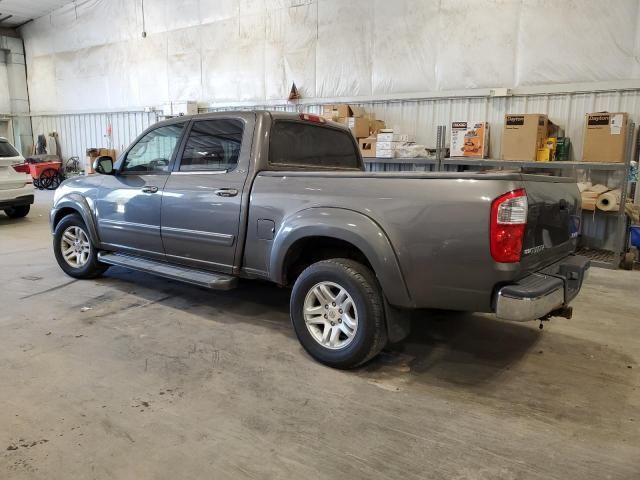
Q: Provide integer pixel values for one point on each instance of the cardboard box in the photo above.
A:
(390, 136)
(376, 125)
(605, 136)
(385, 153)
(359, 126)
(588, 203)
(469, 139)
(368, 147)
(336, 111)
(523, 135)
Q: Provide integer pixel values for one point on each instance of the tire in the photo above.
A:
(84, 254)
(628, 260)
(364, 303)
(17, 212)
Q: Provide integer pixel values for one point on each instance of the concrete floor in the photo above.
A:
(131, 376)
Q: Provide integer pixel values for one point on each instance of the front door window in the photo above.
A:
(153, 152)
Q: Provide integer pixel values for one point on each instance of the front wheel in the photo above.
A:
(337, 313)
(17, 212)
(73, 249)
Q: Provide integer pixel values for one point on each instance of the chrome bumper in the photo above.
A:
(539, 294)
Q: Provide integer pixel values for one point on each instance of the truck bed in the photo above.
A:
(437, 223)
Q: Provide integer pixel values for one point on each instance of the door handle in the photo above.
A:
(149, 189)
(227, 192)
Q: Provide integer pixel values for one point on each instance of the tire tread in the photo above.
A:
(367, 281)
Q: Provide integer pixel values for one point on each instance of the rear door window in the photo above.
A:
(213, 145)
(307, 145)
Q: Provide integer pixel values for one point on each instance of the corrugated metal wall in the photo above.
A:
(421, 117)
(77, 132)
(418, 117)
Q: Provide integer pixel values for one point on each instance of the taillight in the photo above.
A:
(312, 118)
(21, 168)
(508, 222)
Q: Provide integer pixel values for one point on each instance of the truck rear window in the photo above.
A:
(308, 145)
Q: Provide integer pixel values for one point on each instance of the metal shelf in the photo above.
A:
(417, 160)
(600, 258)
(492, 162)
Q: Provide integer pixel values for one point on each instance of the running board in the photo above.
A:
(214, 281)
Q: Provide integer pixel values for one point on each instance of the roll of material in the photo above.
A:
(609, 201)
(599, 188)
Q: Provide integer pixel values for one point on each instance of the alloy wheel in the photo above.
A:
(330, 315)
(75, 246)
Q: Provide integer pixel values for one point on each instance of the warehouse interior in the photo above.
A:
(483, 244)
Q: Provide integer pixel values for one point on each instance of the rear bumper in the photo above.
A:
(16, 197)
(540, 293)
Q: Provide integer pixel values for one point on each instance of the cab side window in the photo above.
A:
(213, 145)
(153, 152)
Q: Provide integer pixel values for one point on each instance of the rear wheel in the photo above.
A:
(337, 313)
(17, 212)
(73, 249)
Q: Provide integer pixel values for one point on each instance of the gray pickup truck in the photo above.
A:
(284, 197)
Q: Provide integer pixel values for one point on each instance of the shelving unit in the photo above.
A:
(495, 163)
(604, 234)
(401, 164)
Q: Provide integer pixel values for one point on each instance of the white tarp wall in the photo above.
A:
(91, 56)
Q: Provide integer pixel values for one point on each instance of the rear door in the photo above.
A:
(553, 220)
(202, 201)
(129, 203)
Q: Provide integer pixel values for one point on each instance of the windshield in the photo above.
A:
(7, 150)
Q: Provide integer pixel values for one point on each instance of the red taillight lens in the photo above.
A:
(21, 168)
(312, 118)
(508, 222)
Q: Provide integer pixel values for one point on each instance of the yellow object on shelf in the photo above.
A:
(548, 151)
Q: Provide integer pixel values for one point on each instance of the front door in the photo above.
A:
(202, 197)
(129, 202)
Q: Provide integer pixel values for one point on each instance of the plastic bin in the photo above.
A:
(634, 235)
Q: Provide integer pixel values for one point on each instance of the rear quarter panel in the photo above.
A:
(438, 226)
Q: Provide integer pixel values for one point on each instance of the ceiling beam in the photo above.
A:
(5, 18)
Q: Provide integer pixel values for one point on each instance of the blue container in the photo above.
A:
(635, 236)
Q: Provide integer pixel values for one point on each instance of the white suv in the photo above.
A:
(16, 188)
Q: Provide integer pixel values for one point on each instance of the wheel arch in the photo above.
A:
(71, 204)
(346, 233)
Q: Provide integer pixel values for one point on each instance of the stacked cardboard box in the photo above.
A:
(388, 141)
(363, 125)
(368, 147)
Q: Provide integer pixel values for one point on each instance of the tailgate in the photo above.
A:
(553, 220)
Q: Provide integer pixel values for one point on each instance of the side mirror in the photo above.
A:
(104, 165)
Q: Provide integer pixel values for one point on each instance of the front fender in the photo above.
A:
(349, 226)
(79, 203)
